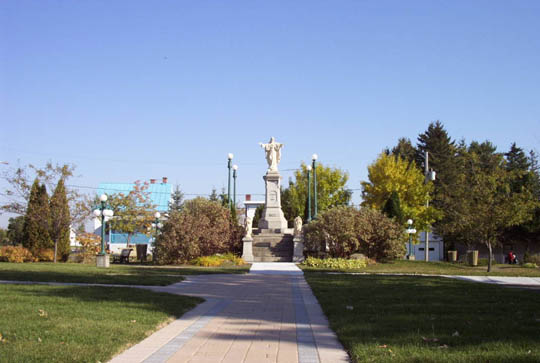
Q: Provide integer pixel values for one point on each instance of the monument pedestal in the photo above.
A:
(102, 261)
(272, 216)
(247, 250)
(298, 249)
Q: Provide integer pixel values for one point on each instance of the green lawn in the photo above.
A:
(429, 319)
(116, 274)
(80, 324)
(442, 268)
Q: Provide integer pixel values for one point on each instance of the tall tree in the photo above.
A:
(133, 212)
(177, 201)
(37, 219)
(392, 208)
(331, 191)
(403, 149)
(214, 196)
(60, 221)
(389, 175)
(482, 204)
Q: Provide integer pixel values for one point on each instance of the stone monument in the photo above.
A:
(272, 216)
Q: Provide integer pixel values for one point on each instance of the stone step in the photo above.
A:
(273, 244)
(272, 259)
(271, 253)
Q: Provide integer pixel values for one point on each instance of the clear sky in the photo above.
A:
(132, 90)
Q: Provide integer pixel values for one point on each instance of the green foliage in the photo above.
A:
(343, 231)
(60, 222)
(392, 208)
(37, 219)
(177, 200)
(389, 175)
(335, 263)
(331, 191)
(216, 260)
(530, 265)
(133, 212)
(15, 230)
(3, 237)
(202, 228)
(404, 150)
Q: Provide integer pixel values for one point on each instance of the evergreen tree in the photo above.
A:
(404, 149)
(60, 221)
(15, 230)
(392, 208)
(214, 196)
(36, 220)
(177, 200)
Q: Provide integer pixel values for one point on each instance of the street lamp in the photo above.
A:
(308, 193)
(103, 211)
(229, 158)
(314, 158)
(235, 168)
(410, 231)
(157, 225)
(429, 176)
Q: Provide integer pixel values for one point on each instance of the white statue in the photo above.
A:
(297, 226)
(273, 153)
(249, 227)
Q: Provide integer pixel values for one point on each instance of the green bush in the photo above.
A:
(201, 228)
(529, 265)
(335, 263)
(343, 231)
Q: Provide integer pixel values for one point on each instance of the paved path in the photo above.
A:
(269, 315)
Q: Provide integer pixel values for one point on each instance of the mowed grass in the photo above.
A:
(80, 324)
(429, 319)
(116, 274)
(441, 268)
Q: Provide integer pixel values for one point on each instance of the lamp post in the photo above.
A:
(229, 158)
(429, 176)
(410, 231)
(235, 168)
(157, 225)
(308, 193)
(103, 211)
(314, 159)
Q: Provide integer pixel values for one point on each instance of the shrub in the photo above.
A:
(17, 254)
(335, 263)
(529, 265)
(218, 260)
(90, 246)
(532, 258)
(202, 228)
(44, 255)
(343, 231)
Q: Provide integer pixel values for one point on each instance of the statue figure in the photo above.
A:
(273, 153)
(249, 227)
(297, 226)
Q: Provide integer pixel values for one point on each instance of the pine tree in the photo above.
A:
(177, 200)
(404, 149)
(392, 208)
(60, 221)
(36, 220)
(214, 196)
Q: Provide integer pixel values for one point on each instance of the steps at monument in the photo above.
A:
(272, 247)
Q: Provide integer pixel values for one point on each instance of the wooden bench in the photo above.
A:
(123, 256)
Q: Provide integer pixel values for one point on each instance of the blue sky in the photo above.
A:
(132, 90)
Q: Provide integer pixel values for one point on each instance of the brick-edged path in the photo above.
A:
(269, 315)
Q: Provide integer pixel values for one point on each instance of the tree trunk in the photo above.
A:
(55, 249)
(490, 256)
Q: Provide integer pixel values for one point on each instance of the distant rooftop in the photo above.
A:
(160, 193)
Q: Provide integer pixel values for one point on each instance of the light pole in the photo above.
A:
(308, 193)
(157, 225)
(314, 159)
(103, 211)
(410, 231)
(429, 176)
(235, 168)
(229, 158)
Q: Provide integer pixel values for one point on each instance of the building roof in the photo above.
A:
(160, 193)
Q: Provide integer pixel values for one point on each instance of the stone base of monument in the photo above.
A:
(102, 261)
(269, 246)
(247, 251)
(298, 249)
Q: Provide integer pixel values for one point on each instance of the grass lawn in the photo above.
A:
(429, 319)
(442, 268)
(80, 324)
(116, 274)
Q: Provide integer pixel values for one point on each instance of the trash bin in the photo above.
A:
(141, 252)
(452, 256)
(472, 257)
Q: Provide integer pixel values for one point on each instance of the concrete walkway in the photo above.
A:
(269, 315)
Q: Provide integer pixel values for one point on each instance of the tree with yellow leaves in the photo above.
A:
(392, 174)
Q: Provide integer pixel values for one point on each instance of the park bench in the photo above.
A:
(123, 256)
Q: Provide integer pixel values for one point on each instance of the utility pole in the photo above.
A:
(426, 233)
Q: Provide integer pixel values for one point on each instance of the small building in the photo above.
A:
(436, 248)
(160, 196)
